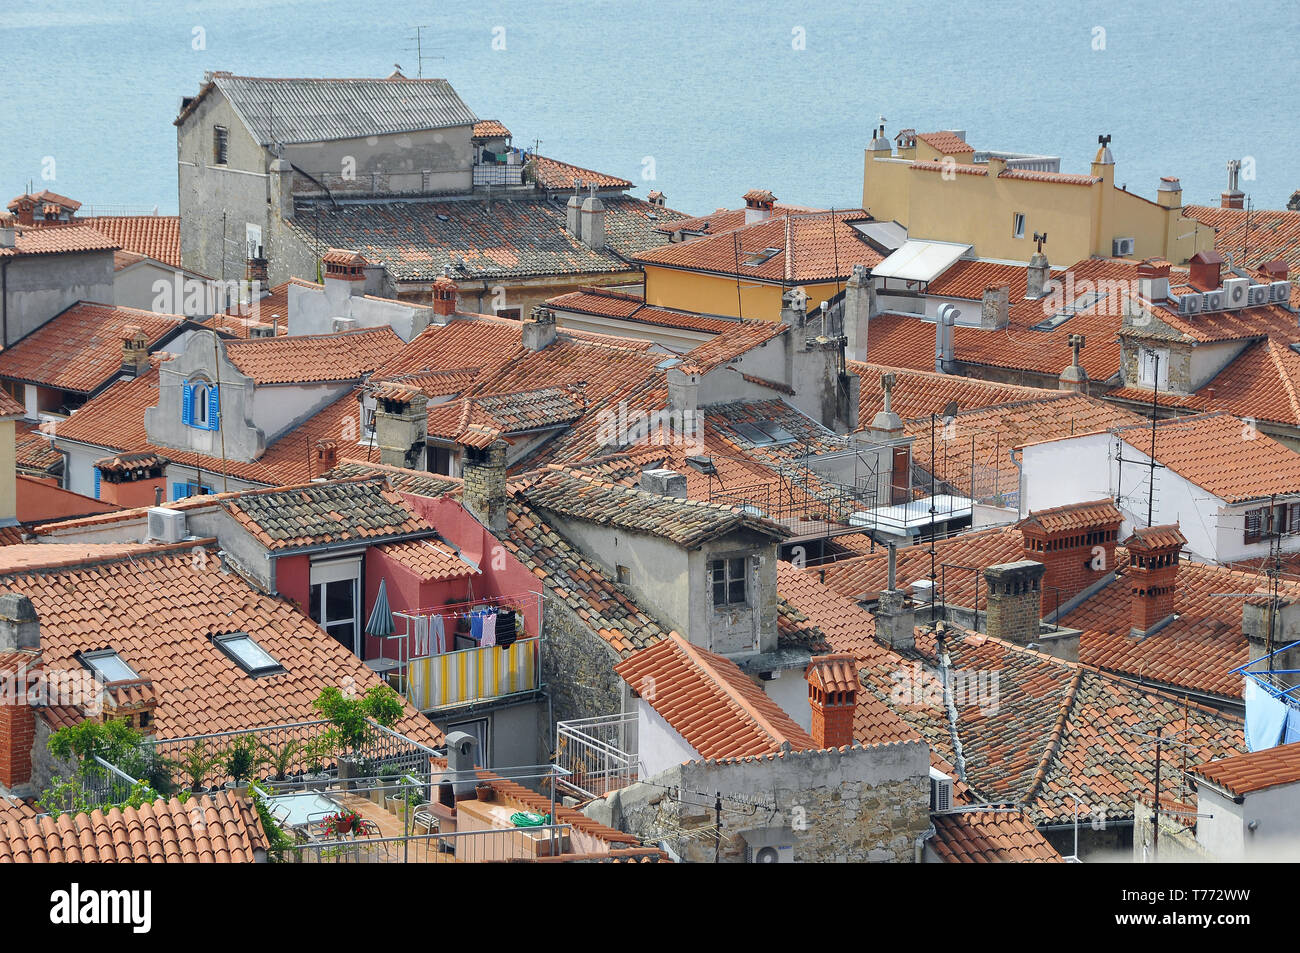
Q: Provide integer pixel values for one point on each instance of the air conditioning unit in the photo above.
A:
(1236, 292)
(1122, 247)
(166, 525)
(1189, 304)
(1279, 292)
(1258, 295)
(940, 790)
(1213, 301)
(768, 845)
(344, 324)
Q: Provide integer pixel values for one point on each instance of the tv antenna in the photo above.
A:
(420, 55)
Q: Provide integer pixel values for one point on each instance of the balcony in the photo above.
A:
(468, 676)
(497, 174)
(596, 755)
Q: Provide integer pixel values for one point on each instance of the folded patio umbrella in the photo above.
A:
(381, 616)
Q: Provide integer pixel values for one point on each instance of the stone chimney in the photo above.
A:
(8, 230)
(1205, 270)
(794, 307)
(1169, 194)
(896, 620)
(593, 221)
(1037, 276)
(401, 426)
(1233, 197)
(135, 351)
(995, 308)
(282, 188)
(444, 299)
(325, 456)
(859, 305)
(664, 482)
(573, 211)
(684, 389)
(1076, 545)
(1153, 280)
(484, 475)
(1074, 378)
(1014, 600)
(833, 698)
(758, 205)
(539, 329)
(1152, 576)
(20, 630)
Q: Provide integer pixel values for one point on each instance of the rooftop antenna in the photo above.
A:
(420, 55)
(1040, 239)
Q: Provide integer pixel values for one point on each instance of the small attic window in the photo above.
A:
(754, 259)
(247, 654)
(764, 433)
(108, 665)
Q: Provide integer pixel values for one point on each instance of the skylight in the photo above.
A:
(764, 433)
(250, 656)
(1085, 301)
(754, 259)
(108, 665)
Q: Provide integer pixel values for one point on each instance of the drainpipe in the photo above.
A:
(920, 842)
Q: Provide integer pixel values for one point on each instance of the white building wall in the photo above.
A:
(660, 746)
(790, 691)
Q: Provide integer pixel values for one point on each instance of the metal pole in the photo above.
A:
(1155, 837)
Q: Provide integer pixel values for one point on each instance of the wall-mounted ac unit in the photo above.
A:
(940, 791)
(344, 324)
(1236, 292)
(1279, 292)
(1122, 247)
(1189, 304)
(1257, 296)
(1213, 301)
(768, 845)
(166, 525)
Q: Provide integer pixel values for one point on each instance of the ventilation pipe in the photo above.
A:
(943, 325)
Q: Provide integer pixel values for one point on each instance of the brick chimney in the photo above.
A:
(758, 205)
(1075, 544)
(131, 479)
(833, 698)
(484, 475)
(1276, 270)
(17, 721)
(255, 269)
(1014, 600)
(444, 298)
(995, 311)
(1205, 270)
(401, 426)
(345, 274)
(1233, 197)
(539, 329)
(325, 457)
(135, 351)
(1152, 576)
(25, 208)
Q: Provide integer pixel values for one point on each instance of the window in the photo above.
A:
(1153, 368)
(1271, 522)
(1085, 301)
(1018, 225)
(764, 433)
(439, 459)
(188, 488)
(515, 314)
(220, 144)
(728, 577)
(334, 600)
(250, 656)
(108, 665)
(200, 405)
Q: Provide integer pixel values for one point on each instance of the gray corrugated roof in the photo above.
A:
(317, 110)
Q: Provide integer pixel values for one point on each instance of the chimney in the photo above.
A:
(995, 311)
(1153, 280)
(664, 482)
(794, 307)
(484, 475)
(401, 426)
(17, 719)
(895, 619)
(1170, 192)
(880, 142)
(943, 351)
(684, 389)
(833, 698)
(1275, 270)
(1205, 270)
(886, 424)
(758, 205)
(20, 630)
(1075, 544)
(1152, 576)
(1037, 276)
(655, 197)
(444, 299)
(1074, 378)
(1014, 601)
(997, 165)
(326, 456)
(573, 211)
(345, 274)
(859, 304)
(8, 230)
(255, 269)
(593, 221)
(461, 754)
(132, 479)
(539, 329)
(26, 207)
(1233, 197)
(135, 351)
(282, 188)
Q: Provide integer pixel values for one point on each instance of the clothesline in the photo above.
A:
(455, 608)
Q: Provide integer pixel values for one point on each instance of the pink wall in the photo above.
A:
(406, 590)
(293, 580)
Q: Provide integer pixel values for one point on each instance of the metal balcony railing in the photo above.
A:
(596, 755)
(473, 675)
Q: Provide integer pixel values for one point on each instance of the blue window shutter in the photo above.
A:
(187, 403)
(214, 408)
(96, 469)
(178, 491)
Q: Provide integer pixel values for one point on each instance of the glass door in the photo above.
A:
(335, 600)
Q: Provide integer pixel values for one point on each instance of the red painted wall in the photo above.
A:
(293, 580)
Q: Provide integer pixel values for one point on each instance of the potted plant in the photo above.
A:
(343, 824)
(314, 753)
(244, 757)
(351, 719)
(484, 791)
(280, 760)
(197, 763)
(388, 775)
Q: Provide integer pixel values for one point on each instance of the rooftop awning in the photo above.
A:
(920, 260)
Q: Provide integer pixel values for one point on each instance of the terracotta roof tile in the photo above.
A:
(990, 836)
(1247, 773)
(947, 143)
(154, 236)
(1253, 237)
(430, 559)
(552, 174)
(318, 357)
(490, 128)
(625, 307)
(56, 241)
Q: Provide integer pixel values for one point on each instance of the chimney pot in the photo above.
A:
(664, 482)
(539, 329)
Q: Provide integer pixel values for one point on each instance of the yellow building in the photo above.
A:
(10, 412)
(743, 271)
(934, 186)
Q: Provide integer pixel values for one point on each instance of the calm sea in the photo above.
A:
(702, 100)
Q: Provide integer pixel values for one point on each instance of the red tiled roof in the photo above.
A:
(10, 407)
(1074, 516)
(710, 702)
(1033, 175)
(1247, 773)
(946, 143)
(728, 346)
(45, 196)
(1253, 237)
(57, 241)
(429, 559)
(625, 307)
(490, 128)
(217, 828)
(316, 357)
(32, 449)
(726, 220)
(159, 609)
(80, 349)
(921, 393)
(968, 279)
(990, 836)
(154, 236)
(556, 175)
(318, 513)
(816, 246)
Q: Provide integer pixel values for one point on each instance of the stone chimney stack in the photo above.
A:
(539, 329)
(794, 307)
(462, 753)
(995, 308)
(401, 426)
(484, 475)
(1038, 275)
(135, 351)
(8, 230)
(859, 305)
(1152, 576)
(896, 620)
(684, 389)
(573, 211)
(758, 205)
(1014, 600)
(20, 630)
(833, 698)
(282, 188)
(1233, 197)
(593, 221)
(664, 482)
(445, 292)
(1169, 194)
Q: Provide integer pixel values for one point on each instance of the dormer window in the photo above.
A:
(729, 581)
(200, 405)
(247, 654)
